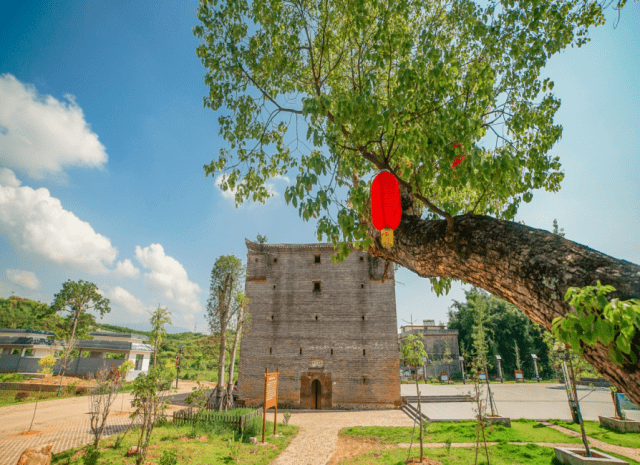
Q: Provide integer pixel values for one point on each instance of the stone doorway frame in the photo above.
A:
(307, 401)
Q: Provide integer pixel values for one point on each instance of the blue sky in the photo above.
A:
(103, 137)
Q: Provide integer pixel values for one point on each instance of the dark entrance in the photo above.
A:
(316, 394)
(315, 390)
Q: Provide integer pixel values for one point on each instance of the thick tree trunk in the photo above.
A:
(528, 267)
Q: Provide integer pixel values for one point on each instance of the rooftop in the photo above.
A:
(257, 247)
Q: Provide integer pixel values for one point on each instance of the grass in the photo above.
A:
(501, 454)
(13, 378)
(8, 397)
(595, 431)
(221, 446)
(464, 431)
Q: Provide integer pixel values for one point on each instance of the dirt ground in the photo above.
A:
(349, 447)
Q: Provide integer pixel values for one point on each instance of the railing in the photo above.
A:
(188, 416)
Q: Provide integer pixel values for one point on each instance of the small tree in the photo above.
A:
(101, 398)
(76, 298)
(414, 355)
(159, 318)
(149, 400)
(125, 368)
(241, 324)
(225, 299)
(46, 363)
(518, 361)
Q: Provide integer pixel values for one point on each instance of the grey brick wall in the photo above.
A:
(291, 324)
(79, 366)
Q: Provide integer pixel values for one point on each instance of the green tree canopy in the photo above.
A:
(406, 86)
(503, 323)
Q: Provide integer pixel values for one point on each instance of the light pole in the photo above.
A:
(461, 358)
(535, 365)
(499, 358)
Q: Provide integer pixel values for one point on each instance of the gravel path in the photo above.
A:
(318, 434)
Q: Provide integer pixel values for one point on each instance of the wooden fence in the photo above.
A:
(190, 415)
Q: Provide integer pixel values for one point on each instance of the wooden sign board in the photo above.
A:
(444, 378)
(519, 375)
(270, 399)
(482, 376)
(316, 363)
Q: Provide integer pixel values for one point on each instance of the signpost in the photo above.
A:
(461, 358)
(519, 376)
(444, 377)
(270, 399)
(482, 376)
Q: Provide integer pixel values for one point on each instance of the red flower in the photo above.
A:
(457, 161)
(456, 145)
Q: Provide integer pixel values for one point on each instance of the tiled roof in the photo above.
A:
(30, 331)
(115, 334)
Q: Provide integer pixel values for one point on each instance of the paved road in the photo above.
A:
(64, 423)
(536, 401)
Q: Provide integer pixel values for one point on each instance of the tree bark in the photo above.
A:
(233, 356)
(528, 267)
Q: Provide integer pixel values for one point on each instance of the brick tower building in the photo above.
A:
(330, 329)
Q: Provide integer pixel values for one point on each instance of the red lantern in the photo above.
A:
(385, 206)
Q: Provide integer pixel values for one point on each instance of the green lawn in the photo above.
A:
(595, 431)
(8, 397)
(501, 454)
(464, 431)
(221, 446)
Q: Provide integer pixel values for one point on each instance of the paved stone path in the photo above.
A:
(631, 452)
(64, 423)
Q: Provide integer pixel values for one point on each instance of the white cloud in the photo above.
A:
(126, 300)
(126, 269)
(37, 224)
(41, 135)
(168, 276)
(8, 178)
(24, 279)
(231, 194)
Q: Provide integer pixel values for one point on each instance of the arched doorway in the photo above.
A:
(316, 394)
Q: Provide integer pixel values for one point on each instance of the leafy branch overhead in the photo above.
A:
(407, 86)
(612, 323)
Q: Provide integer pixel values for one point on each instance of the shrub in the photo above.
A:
(81, 391)
(22, 395)
(169, 457)
(12, 377)
(91, 456)
(287, 417)
(70, 389)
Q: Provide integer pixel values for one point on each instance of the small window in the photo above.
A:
(317, 258)
(316, 287)
(362, 317)
(275, 260)
(361, 259)
(316, 317)
(28, 352)
(274, 286)
(300, 350)
(361, 286)
(139, 359)
(363, 352)
(331, 351)
(271, 317)
(16, 352)
(256, 260)
(270, 350)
